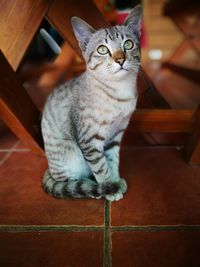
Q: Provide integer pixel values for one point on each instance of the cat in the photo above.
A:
(84, 119)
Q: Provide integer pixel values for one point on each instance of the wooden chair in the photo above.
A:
(16, 108)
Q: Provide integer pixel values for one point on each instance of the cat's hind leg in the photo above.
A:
(68, 174)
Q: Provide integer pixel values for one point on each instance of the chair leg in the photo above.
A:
(17, 110)
(192, 149)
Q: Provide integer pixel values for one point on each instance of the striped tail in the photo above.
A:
(83, 188)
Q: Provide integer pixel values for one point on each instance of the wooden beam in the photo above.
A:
(61, 11)
(16, 108)
(162, 120)
(19, 21)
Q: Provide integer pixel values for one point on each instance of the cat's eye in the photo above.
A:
(103, 50)
(128, 45)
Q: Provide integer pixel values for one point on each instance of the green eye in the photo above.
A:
(128, 45)
(102, 49)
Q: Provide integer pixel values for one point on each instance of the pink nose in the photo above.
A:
(120, 61)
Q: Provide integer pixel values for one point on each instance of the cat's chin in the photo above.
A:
(120, 73)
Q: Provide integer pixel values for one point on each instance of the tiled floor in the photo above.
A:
(156, 224)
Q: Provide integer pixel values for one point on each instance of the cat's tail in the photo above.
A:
(84, 188)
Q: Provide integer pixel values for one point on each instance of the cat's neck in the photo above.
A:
(126, 87)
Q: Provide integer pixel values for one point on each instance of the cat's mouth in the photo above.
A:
(121, 69)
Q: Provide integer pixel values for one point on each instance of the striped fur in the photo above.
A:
(84, 120)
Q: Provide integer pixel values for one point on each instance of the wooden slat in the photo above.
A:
(162, 121)
(17, 109)
(60, 14)
(19, 20)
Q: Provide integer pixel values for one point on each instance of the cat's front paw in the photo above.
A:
(123, 185)
(114, 197)
(114, 190)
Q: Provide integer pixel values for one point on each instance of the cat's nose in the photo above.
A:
(120, 61)
(119, 57)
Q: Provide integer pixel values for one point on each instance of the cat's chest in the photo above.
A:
(118, 123)
(120, 120)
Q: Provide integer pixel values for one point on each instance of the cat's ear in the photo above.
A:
(134, 20)
(82, 30)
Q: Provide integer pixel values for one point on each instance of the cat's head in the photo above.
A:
(113, 52)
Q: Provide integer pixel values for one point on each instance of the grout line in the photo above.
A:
(48, 228)
(14, 150)
(107, 228)
(156, 228)
(107, 260)
(9, 153)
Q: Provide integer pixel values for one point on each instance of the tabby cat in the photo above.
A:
(84, 120)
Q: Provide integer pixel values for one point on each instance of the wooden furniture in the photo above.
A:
(16, 108)
(185, 14)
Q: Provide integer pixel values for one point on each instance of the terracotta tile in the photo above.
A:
(156, 249)
(162, 189)
(7, 139)
(24, 202)
(3, 156)
(21, 145)
(51, 249)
